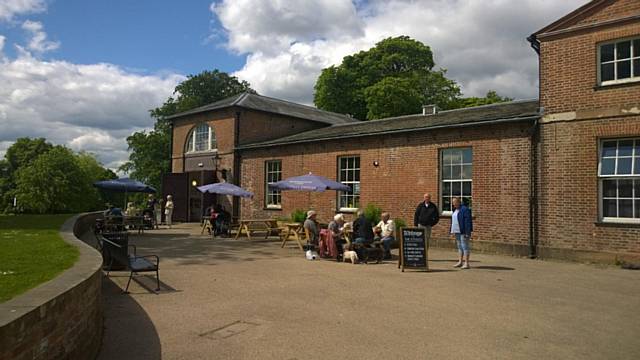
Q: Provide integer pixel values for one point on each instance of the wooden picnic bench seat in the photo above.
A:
(117, 251)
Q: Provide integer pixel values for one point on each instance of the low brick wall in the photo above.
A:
(62, 318)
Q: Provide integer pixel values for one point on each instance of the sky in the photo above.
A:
(84, 73)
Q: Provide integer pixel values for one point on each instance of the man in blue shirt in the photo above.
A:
(461, 227)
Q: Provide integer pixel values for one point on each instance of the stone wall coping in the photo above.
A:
(88, 263)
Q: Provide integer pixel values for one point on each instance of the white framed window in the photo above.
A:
(456, 168)
(201, 138)
(272, 174)
(349, 174)
(619, 61)
(619, 180)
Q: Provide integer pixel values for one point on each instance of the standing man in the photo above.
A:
(461, 227)
(426, 216)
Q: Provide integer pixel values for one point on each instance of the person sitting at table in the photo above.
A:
(113, 211)
(131, 209)
(220, 219)
(312, 227)
(387, 229)
(336, 227)
(362, 229)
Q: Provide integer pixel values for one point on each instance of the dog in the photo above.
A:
(350, 254)
(373, 253)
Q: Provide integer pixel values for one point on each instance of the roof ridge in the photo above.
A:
(400, 117)
(306, 106)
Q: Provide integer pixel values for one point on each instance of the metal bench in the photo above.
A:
(119, 252)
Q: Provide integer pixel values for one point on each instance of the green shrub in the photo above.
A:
(298, 215)
(372, 212)
(400, 223)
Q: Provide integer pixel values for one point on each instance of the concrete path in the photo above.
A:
(228, 299)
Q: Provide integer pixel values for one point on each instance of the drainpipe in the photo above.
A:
(236, 162)
(533, 196)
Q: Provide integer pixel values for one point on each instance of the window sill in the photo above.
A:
(200, 153)
(616, 85)
(346, 211)
(621, 224)
(447, 215)
(274, 208)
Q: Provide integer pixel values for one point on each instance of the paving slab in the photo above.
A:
(251, 299)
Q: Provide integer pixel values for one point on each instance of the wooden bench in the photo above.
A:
(117, 250)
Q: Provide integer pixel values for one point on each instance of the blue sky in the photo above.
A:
(141, 35)
(85, 73)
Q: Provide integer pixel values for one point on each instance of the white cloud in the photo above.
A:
(38, 42)
(11, 8)
(271, 26)
(481, 43)
(2, 39)
(86, 107)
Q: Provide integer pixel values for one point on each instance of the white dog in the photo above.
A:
(350, 255)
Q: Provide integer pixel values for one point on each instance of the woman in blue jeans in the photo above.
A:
(461, 227)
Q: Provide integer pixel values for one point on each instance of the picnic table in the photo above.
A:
(292, 229)
(135, 222)
(249, 225)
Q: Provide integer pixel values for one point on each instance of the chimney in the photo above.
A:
(429, 109)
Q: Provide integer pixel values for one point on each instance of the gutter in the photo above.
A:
(533, 192)
(387, 132)
(535, 43)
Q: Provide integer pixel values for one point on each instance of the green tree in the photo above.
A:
(20, 154)
(53, 183)
(370, 84)
(93, 171)
(24, 151)
(492, 97)
(150, 151)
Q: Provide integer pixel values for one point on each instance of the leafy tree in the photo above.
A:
(491, 98)
(150, 151)
(53, 183)
(20, 154)
(93, 171)
(24, 151)
(393, 78)
(371, 84)
(392, 97)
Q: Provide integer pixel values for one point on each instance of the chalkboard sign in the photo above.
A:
(413, 248)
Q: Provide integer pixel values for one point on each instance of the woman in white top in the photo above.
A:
(387, 233)
(168, 210)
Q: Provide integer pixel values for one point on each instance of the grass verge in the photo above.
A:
(31, 252)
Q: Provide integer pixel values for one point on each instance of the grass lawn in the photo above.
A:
(31, 252)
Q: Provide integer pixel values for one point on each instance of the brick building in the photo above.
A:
(558, 177)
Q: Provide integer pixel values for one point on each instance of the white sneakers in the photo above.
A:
(462, 265)
(458, 264)
(466, 266)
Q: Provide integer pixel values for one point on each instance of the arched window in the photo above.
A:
(201, 138)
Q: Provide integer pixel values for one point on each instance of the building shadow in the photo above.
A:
(129, 333)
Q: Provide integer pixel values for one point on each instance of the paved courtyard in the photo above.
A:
(251, 299)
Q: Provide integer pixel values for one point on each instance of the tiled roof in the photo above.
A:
(275, 106)
(521, 110)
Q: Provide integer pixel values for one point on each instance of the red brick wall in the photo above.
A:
(577, 114)
(223, 125)
(568, 190)
(614, 10)
(256, 126)
(568, 73)
(409, 168)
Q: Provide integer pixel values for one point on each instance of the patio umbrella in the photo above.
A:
(124, 185)
(224, 188)
(309, 182)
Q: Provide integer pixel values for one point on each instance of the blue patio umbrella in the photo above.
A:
(224, 188)
(309, 182)
(124, 185)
